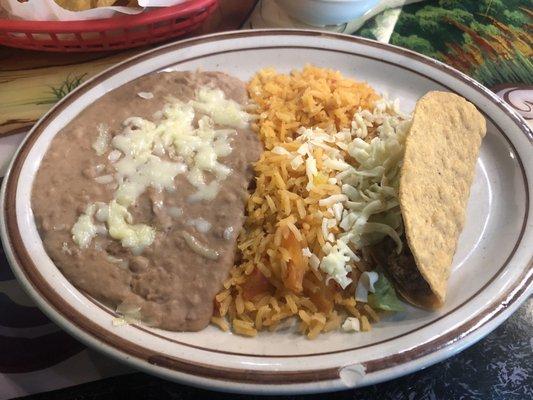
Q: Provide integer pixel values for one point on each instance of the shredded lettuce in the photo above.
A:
(371, 184)
(384, 296)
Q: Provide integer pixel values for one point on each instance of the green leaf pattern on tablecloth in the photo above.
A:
(489, 40)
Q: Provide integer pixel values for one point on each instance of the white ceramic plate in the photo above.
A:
(491, 275)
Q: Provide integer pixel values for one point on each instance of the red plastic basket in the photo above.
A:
(107, 34)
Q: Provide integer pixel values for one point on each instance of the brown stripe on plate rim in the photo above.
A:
(79, 321)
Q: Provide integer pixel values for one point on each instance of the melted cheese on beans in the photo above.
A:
(152, 153)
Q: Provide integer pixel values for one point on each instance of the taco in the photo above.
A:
(441, 151)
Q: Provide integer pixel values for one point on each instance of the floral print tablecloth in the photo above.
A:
(489, 40)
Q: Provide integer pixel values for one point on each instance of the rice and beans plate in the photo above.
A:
(304, 201)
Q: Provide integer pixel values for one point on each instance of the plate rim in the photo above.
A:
(513, 297)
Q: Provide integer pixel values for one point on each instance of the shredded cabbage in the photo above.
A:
(371, 184)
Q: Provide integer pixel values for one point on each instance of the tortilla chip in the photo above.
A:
(81, 5)
(441, 151)
(103, 3)
(74, 5)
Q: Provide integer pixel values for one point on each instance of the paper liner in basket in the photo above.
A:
(48, 10)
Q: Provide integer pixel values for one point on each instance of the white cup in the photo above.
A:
(326, 12)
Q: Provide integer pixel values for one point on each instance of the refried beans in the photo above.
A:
(169, 282)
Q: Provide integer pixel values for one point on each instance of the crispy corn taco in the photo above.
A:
(441, 151)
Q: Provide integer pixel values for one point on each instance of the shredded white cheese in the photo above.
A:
(205, 192)
(223, 111)
(101, 143)
(104, 179)
(200, 224)
(84, 230)
(146, 95)
(102, 212)
(136, 156)
(114, 155)
(175, 212)
(137, 175)
(228, 233)
(136, 237)
(65, 248)
(199, 248)
(351, 324)
(333, 200)
(336, 264)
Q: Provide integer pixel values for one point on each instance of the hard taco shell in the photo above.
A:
(441, 151)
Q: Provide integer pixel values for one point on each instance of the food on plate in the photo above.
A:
(326, 188)
(332, 187)
(304, 201)
(140, 198)
(447, 130)
(80, 5)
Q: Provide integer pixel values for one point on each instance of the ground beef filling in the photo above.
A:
(401, 268)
